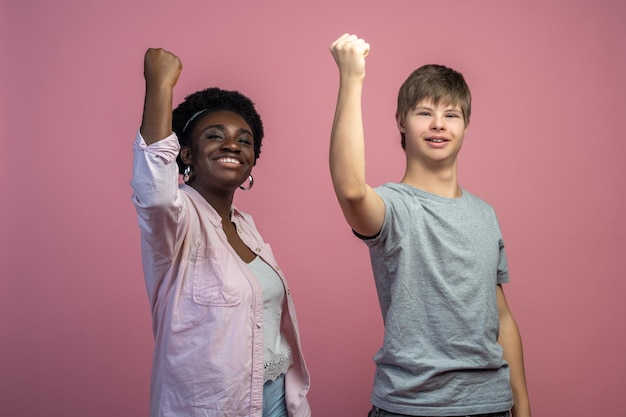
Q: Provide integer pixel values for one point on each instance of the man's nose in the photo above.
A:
(437, 123)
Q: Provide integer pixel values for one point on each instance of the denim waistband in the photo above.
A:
(377, 412)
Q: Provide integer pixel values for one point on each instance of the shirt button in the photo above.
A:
(276, 267)
(257, 250)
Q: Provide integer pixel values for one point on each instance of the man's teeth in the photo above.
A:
(230, 160)
(437, 140)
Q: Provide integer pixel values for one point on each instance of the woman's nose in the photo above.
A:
(230, 144)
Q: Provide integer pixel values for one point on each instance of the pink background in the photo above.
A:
(546, 148)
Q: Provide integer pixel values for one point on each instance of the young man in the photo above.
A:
(451, 345)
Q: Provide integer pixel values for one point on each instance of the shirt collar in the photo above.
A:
(213, 215)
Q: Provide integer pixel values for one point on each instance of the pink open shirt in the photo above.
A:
(207, 306)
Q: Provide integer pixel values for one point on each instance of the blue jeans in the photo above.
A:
(274, 398)
(377, 412)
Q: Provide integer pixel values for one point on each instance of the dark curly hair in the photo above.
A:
(211, 100)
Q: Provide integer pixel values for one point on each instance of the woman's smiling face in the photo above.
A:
(221, 152)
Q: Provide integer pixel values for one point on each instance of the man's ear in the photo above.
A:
(400, 124)
(185, 155)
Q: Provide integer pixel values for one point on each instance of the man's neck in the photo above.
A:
(442, 181)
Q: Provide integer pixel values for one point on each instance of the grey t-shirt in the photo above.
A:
(436, 264)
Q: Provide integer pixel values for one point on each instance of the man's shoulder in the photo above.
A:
(477, 201)
(393, 188)
(393, 193)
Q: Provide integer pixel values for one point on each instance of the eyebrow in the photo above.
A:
(455, 109)
(222, 128)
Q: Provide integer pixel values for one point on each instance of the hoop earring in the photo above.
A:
(187, 174)
(250, 183)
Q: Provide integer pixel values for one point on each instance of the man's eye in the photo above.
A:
(215, 137)
(452, 115)
(423, 113)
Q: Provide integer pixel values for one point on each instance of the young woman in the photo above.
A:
(226, 334)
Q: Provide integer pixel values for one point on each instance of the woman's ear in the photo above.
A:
(185, 155)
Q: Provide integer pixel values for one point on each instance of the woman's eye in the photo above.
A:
(423, 113)
(214, 137)
(245, 141)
